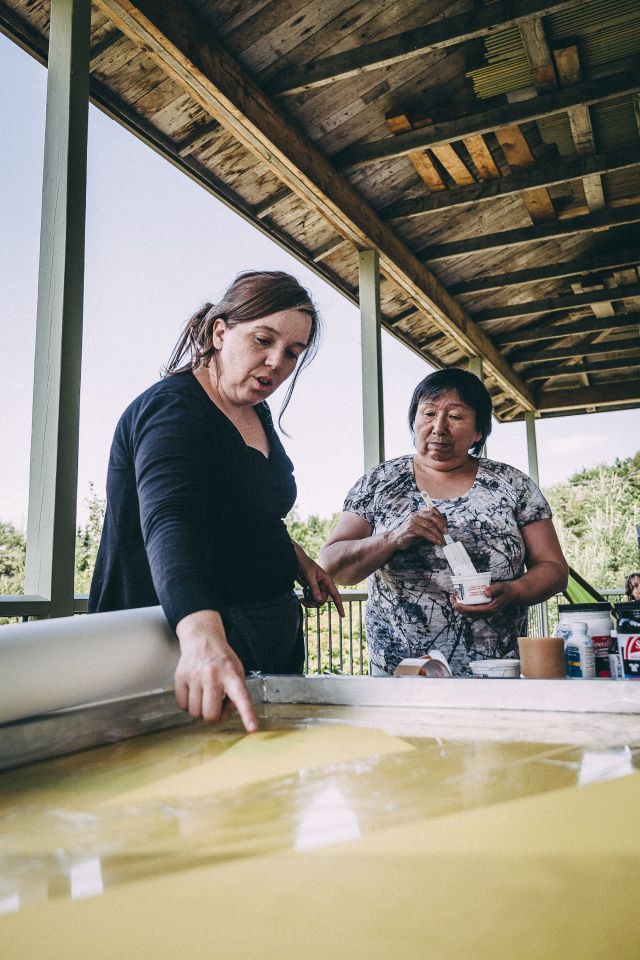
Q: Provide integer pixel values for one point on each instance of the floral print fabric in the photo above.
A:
(409, 610)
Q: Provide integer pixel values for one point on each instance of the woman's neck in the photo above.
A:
(445, 482)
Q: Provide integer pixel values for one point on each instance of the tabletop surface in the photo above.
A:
(352, 831)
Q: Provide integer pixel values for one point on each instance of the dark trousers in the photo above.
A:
(267, 635)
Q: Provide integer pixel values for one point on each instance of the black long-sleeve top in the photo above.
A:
(195, 517)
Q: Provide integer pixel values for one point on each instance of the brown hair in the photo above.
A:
(252, 295)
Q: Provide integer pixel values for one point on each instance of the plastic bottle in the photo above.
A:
(615, 666)
(579, 652)
(597, 617)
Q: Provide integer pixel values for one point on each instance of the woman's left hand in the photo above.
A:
(500, 594)
(317, 584)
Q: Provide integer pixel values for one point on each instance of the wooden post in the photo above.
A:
(53, 474)
(370, 327)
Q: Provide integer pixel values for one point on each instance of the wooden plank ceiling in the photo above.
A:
(490, 152)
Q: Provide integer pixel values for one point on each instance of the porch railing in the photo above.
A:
(332, 644)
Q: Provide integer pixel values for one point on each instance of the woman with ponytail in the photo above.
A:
(197, 490)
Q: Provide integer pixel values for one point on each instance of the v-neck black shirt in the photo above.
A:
(195, 517)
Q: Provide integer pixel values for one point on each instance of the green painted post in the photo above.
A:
(474, 366)
(53, 475)
(532, 445)
(370, 327)
(532, 451)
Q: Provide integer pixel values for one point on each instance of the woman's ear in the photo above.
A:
(217, 332)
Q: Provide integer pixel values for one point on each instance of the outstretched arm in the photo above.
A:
(352, 553)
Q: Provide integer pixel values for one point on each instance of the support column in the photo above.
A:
(542, 610)
(53, 476)
(474, 366)
(370, 327)
(532, 445)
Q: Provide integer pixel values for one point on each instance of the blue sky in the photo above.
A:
(157, 247)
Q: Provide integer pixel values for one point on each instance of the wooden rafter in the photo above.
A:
(570, 72)
(422, 162)
(570, 352)
(186, 50)
(497, 118)
(537, 201)
(557, 332)
(558, 304)
(536, 47)
(546, 174)
(448, 32)
(582, 266)
(590, 223)
(543, 371)
(600, 396)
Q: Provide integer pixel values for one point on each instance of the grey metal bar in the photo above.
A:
(370, 327)
(319, 667)
(532, 445)
(51, 524)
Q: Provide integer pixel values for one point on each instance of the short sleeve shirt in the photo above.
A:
(409, 610)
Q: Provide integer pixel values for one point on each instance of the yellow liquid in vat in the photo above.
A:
(324, 836)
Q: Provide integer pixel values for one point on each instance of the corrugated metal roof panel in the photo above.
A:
(605, 31)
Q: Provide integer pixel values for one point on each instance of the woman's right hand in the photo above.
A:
(426, 524)
(209, 678)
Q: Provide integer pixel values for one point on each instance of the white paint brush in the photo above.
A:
(454, 552)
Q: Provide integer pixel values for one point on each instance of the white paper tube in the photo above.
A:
(51, 664)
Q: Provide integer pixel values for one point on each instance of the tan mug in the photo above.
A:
(542, 658)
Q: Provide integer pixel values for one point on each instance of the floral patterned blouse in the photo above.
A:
(409, 610)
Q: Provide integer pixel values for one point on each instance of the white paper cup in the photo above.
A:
(470, 589)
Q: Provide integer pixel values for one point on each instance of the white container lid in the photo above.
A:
(495, 668)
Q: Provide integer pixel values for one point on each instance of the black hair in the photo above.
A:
(469, 388)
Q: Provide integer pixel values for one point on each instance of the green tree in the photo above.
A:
(596, 514)
(312, 533)
(12, 559)
(88, 541)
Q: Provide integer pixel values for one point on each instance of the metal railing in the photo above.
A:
(333, 644)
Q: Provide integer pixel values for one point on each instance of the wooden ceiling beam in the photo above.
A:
(182, 45)
(537, 201)
(538, 54)
(497, 118)
(546, 371)
(586, 325)
(102, 45)
(266, 206)
(599, 396)
(438, 35)
(547, 174)
(570, 71)
(575, 350)
(558, 304)
(589, 223)
(582, 267)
